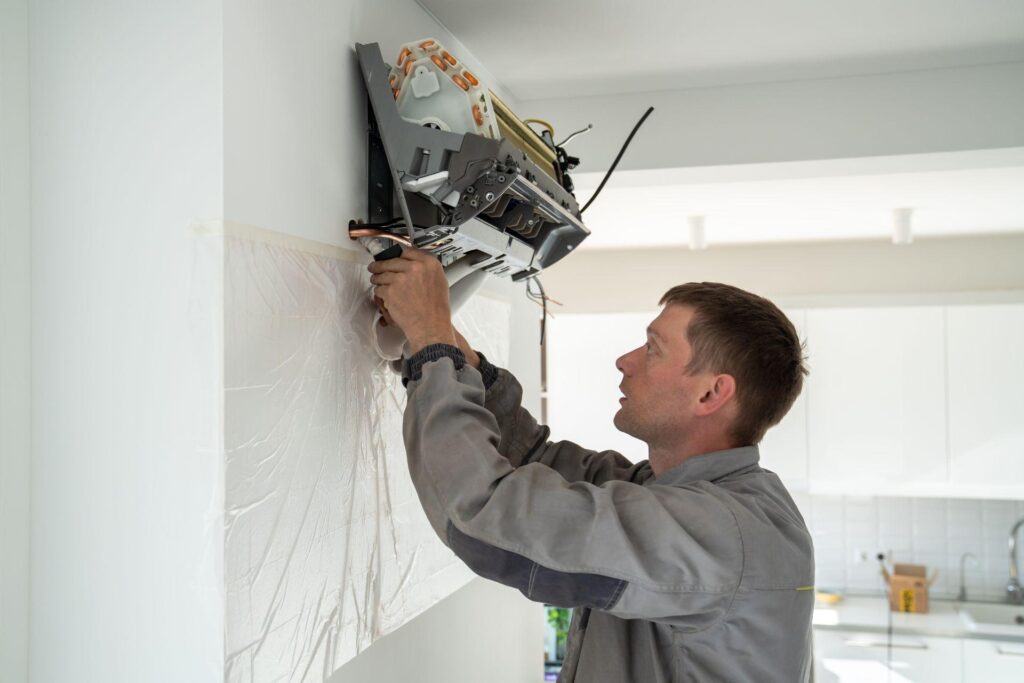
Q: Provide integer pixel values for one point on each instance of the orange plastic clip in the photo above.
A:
(440, 64)
(395, 91)
(471, 78)
(478, 115)
(403, 54)
(408, 66)
(448, 58)
(391, 80)
(461, 82)
(426, 44)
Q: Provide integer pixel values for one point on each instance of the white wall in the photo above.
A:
(126, 153)
(295, 155)
(15, 341)
(146, 122)
(481, 633)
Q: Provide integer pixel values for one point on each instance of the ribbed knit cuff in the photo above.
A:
(414, 366)
(488, 372)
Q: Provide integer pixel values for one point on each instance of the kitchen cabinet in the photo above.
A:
(784, 447)
(901, 400)
(876, 410)
(861, 657)
(986, 414)
(988, 661)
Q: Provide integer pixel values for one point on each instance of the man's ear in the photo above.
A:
(717, 395)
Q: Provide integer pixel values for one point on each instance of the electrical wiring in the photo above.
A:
(542, 122)
(581, 131)
(618, 158)
(541, 299)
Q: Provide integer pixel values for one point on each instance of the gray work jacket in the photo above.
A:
(703, 573)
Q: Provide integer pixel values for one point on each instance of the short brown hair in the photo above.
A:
(746, 336)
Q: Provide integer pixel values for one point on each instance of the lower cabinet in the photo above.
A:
(861, 657)
(987, 661)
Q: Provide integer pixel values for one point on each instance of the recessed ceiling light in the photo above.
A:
(698, 240)
(901, 233)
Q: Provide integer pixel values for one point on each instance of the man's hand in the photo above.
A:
(471, 356)
(413, 292)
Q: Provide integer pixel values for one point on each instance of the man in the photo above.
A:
(694, 565)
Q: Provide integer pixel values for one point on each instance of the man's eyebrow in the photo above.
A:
(654, 333)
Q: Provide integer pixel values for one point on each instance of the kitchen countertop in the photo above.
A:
(870, 614)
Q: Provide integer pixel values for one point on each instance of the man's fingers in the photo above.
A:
(391, 265)
(385, 278)
(414, 254)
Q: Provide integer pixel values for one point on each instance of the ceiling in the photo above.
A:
(560, 48)
(839, 207)
(566, 48)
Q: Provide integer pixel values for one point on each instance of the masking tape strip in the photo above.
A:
(266, 236)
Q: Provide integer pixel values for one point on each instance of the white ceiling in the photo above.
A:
(558, 48)
(631, 214)
(564, 48)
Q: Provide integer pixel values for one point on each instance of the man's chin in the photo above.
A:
(620, 421)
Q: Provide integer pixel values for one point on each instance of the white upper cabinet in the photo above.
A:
(784, 447)
(986, 409)
(901, 400)
(877, 399)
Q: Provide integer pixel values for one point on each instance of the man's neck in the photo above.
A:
(663, 459)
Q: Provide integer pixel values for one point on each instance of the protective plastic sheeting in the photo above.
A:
(326, 547)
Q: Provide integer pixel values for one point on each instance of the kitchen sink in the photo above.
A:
(1006, 619)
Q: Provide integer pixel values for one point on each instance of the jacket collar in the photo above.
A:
(709, 466)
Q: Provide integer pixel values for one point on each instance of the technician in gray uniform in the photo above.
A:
(694, 565)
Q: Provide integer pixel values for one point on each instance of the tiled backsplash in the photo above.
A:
(849, 531)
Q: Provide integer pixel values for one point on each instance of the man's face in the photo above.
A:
(659, 396)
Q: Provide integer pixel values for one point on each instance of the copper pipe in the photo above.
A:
(370, 232)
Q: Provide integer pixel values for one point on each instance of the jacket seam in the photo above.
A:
(743, 567)
(533, 576)
(739, 580)
(541, 439)
(619, 590)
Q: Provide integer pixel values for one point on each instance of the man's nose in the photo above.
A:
(621, 363)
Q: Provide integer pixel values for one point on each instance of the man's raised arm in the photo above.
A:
(523, 440)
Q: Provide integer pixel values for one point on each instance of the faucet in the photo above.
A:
(962, 595)
(1014, 591)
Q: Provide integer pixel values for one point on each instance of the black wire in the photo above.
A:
(888, 629)
(617, 158)
(888, 647)
(542, 299)
(382, 224)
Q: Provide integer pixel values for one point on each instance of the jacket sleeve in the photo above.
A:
(522, 440)
(655, 552)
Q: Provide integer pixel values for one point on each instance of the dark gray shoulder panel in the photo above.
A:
(538, 583)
